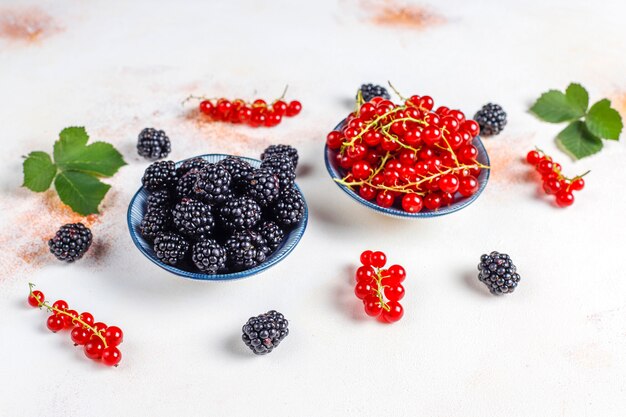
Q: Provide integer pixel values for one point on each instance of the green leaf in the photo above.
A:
(82, 192)
(555, 107)
(603, 121)
(578, 141)
(578, 97)
(39, 171)
(99, 158)
(71, 142)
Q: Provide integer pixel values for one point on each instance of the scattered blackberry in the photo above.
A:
(265, 332)
(369, 91)
(282, 166)
(213, 184)
(239, 213)
(498, 273)
(193, 163)
(491, 119)
(160, 175)
(153, 144)
(289, 209)
(186, 184)
(272, 234)
(170, 247)
(238, 169)
(246, 249)
(263, 186)
(154, 222)
(193, 218)
(70, 242)
(209, 256)
(159, 200)
(291, 152)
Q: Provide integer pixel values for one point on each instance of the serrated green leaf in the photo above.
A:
(578, 141)
(554, 107)
(603, 121)
(82, 192)
(99, 158)
(71, 142)
(39, 171)
(578, 97)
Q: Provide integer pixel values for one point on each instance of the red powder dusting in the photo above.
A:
(28, 24)
(393, 13)
(507, 158)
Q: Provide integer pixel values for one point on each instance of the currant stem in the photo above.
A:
(396, 91)
(380, 290)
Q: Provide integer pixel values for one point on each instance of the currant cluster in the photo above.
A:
(553, 181)
(99, 341)
(255, 114)
(407, 154)
(380, 289)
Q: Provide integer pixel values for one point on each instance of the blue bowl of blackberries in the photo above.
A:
(219, 217)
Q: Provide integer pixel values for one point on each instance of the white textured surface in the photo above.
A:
(554, 348)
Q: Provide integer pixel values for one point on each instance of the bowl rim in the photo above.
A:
(298, 230)
(482, 179)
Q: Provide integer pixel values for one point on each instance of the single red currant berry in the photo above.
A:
(93, 348)
(394, 292)
(413, 137)
(433, 119)
(385, 199)
(378, 259)
(55, 323)
(552, 186)
(545, 167)
(294, 108)
(36, 298)
(223, 107)
(99, 327)
(205, 107)
(389, 145)
(578, 184)
(426, 103)
(372, 137)
(394, 313)
(533, 157)
(372, 306)
(432, 201)
(87, 318)
(564, 199)
(365, 258)
(412, 203)
(455, 140)
(458, 115)
(367, 111)
(396, 273)
(113, 335)
(449, 183)
(60, 305)
(468, 186)
(425, 154)
(472, 127)
(280, 107)
(69, 317)
(244, 114)
(363, 289)
(392, 177)
(272, 119)
(365, 274)
(367, 192)
(111, 356)
(442, 110)
(431, 135)
(467, 154)
(80, 335)
(357, 152)
(334, 139)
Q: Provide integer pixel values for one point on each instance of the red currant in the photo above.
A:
(578, 184)
(367, 192)
(68, 318)
(363, 289)
(472, 127)
(111, 356)
(412, 203)
(394, 292)
(552, 186)
(432, 201)
(449, 183)
(372, 305)
(458, 115)
(545, 166)
(365, 274)
(385, 199)
(80, 335)
(394, 313)
(93, 348)
(36, 298)
(334, 139)
(378, 259)
(55, 323)
(280, 107)
(426, 103)
(60, 305)
(467, 154)
(533, 157)
(564, 199)
(294, 108)
(113, 335)
(468, 186)
(206, 107)
(99, 327)
(396, 273)
(87, 318)
(366, 258)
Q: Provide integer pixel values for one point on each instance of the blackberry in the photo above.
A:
(160, 175)
(498, 273)
(186, 183)
(161, 199)
(153, 144)
(154, 222)
(239, 213)
(246, 249)
(491, 119)
(272, 233)
(70, 242)
(238, 169)
(265, 332)
(193, 163)
(209, 256)
(193, 218)
(213, 184)
(171, 248)
(369, 91)
(291, 152)
(282, 166)
(263, 186)
(289, 209)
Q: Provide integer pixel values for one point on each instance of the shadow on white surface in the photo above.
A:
(233, 345)
(345, 300)
(470, 279)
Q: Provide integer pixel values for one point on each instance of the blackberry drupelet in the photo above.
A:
(153, 144)
(209, 256)
(238, 169)
(160, 175)
(193, 163)
(498, 272)
(171, 248)
(213, 184)
(491, 119)
(239, 213)
(289, 209)
(282, 166)
(263, 186)
(154, 222)
(193, 218)
(186, 183)
(272, 233)
(265, 332)
(159, 200)
(291, 152)
(70, 242)
(369, 91)
(246, 249)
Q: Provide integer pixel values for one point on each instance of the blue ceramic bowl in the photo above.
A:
(336, 172)
(137, 208)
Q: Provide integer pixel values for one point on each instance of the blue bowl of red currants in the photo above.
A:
(406, 160)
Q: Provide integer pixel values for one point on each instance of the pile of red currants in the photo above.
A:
(553, 181)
